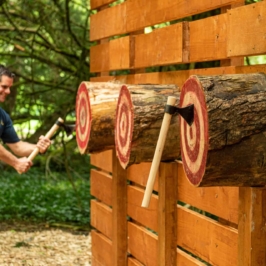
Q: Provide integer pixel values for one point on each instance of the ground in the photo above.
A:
(31, 244)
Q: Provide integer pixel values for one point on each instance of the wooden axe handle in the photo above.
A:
(158, 154)
(48, 135)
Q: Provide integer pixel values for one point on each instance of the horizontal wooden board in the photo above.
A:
(99, 3)
(119, 54)
(134, 262)
(208, 44)
(215, 243)
(134, 15)
(142, 244)
(184, 259)
(114, 17)
(139, 173)
(219, 201)
(101, 186)
(102, 160)
(101, 249)
(99, 57)
(101, 218)
(148, 217)
(247, 31)
(160, 47)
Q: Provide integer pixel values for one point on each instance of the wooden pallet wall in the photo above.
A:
(183, 225)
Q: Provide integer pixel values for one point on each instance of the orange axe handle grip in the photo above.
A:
(48, 135)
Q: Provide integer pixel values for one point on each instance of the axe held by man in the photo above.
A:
(20, 149)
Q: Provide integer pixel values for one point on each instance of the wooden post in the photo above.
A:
(252, 227)
(167, 214)
(119, 212)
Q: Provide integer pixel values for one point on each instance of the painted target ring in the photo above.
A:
(124, 126)
(194, 138)
(83, 118)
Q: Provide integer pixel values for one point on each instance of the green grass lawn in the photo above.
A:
(34, 197)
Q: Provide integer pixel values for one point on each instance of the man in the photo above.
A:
(8, 135)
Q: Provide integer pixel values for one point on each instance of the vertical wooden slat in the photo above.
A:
(167, 214)
(119, 211)
(252, 227)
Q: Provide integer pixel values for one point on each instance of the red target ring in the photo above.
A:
(83, 118)
(194, 138)
(124, 126)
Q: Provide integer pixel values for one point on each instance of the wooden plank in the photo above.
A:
(148, 217)
(251, 69)
(99, 57)
(208, 44)
(99, 3)
(119, 211)
(101, 186)
(138, 173)
(142, 244)
(114, 17)
(102, 160)
(206, 238)
(247, 31)
(119, 53)
(160, 47)
(101, 249)
(134, 262)
(101, 218)
(170, 77)
(141, 14)
(252, 226)
(167, 214)
(220, 201)
(184, 259)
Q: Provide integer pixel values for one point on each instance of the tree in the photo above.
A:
(46, 43)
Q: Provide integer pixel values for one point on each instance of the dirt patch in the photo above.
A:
(42, 245)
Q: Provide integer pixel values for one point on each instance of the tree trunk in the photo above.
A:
(226, 144)
(95, 113)
(139, 115)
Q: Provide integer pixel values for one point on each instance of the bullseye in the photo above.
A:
(83, 118)
(124, 126)
(194, 138)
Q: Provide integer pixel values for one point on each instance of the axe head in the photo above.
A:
(69, 129)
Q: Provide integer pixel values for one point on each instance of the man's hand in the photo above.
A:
(22, 165)
(43, 144)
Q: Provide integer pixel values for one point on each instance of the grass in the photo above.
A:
(34, 197)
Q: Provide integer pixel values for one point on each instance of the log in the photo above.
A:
(226, 144)
(139, 115)
(95, 113)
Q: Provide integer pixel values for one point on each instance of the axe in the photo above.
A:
(59, 123)
(188, 114)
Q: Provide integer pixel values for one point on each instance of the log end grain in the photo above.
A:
(83, 118)
(124, 124)
(194, 138)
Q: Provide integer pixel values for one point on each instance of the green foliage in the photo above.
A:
(33, 197)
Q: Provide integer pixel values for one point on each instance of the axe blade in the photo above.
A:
(187, 113)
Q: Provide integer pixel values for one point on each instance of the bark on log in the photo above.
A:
(95, 113)
(139, 115)
(226, 144)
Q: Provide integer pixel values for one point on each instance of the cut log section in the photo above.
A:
(226, 144)
(139, 114)
(95, 114)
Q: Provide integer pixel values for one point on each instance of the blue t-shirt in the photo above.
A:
(7, 131)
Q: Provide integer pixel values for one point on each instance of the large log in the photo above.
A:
(95, 113)
(139, 115)
(226, 144)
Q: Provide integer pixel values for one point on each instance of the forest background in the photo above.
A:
(46, 43)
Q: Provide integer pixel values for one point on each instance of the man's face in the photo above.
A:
(5, 85)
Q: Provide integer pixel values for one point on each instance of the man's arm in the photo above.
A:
(22, 148)
(22, 165)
